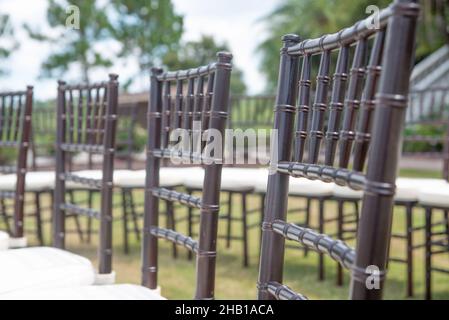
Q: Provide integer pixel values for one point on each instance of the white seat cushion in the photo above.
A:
(34, 181)
(4, 241)
(109, 292)
(168, 177)
(306, 187)
(346, 192)
(41, 268)
(129, 178)
(407, 189)
(437, 196)
(232, 179)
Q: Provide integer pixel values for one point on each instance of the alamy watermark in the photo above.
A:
(73, 17)
(374, 22)
(237, 146)
(373, 279)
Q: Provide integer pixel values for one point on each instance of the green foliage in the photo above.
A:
(195, 53)
(8, 157)
(7, 43)
(72, 46)
(146, 29)
(424, 130)
(126, 128)
(312, 18)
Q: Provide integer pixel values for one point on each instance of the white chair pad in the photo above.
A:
(346, 192)
(129, 178)
(407, 189)
(306, 187)
(4, 241)
(108, 292)
(437, 196)
(34, 181)
(41, 268)
(168, 177)
(232, 179)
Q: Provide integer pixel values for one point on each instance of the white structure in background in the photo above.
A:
(432, 72)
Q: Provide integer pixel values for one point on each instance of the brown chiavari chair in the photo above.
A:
(15, 127)
(366, 111)
(86, 122)
(87, 125)
(209, 107)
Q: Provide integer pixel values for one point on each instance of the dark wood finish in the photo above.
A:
(164, 118)
(86, 121)
(384, 78)
(15, 130)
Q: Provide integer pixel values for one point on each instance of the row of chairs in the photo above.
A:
(366, 110)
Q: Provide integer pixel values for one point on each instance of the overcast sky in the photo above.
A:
(234, 21)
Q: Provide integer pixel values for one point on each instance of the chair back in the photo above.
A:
(195, 103)
(86, 122)
(362, 122)
(15, 127)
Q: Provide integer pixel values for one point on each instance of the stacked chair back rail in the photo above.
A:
(199, 106)
(86, 122)
(368, 100)
(15, 128)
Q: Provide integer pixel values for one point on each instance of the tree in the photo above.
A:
(434, 26)
(74, 44)
(196, 53)
(312, 18)
(7, 44)
(147, 30)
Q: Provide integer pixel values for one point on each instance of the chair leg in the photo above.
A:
(189, 226)
(340, 213)
(307, 222)
(76, 218)
(409, 223)
(446, 217)
(125, 221)
(171, 224)
(245, 230)
(262, 211)
(133, 212)
(229, 221)
(428, 252)
(321, 230)
(39, 233)
(90, 200)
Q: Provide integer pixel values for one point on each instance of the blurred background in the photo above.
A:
(128, 37)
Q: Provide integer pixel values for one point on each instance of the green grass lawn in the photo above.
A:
(233, 281)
